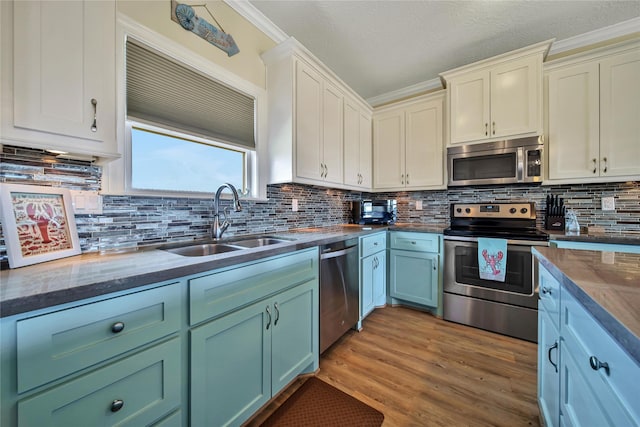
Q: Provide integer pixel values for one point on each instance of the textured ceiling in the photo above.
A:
(378, 47)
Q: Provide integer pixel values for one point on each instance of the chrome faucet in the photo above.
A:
(218, 228)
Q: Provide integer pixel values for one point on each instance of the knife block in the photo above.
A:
(554, 222)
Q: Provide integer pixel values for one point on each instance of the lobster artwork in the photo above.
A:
(493, 261)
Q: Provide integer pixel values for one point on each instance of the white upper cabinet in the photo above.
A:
(409, 145)
(316, 132)
(58, 76)
(497, 98)
(357, 146)
(593, 116)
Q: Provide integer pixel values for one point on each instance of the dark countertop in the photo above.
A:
(608, 287)
(93, 274)
(610, 238)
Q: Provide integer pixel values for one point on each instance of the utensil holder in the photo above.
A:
(554, 222)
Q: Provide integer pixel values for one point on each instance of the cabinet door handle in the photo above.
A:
(407, 179)
(596, 364)
(595, 162)
(605, 164)
(94, 126)
(486, 129)
(117, 327)
(402, 179)
(116, 405)
(494, 128)
(554, 346)
(275, 306)
(268, 314)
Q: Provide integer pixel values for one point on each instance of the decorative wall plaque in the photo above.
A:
(185, 15)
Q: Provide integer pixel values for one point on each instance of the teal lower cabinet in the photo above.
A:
(114, 360)
(415, 268)
(238, 362)
(130, 392)
(203, 350)
(373, 272)
(596, 383)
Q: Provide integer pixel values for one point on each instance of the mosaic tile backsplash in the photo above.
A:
(129, 221)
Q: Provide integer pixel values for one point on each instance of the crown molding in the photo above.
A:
(596, 36)
(405, 92)
(257, 18)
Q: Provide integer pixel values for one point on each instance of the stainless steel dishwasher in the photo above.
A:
(339, 290)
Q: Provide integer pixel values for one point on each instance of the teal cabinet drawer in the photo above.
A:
(57, 344)
(549, 294)
(148, 384)
(585, 338)
(422, 242)
(218, 293)
(371, 244)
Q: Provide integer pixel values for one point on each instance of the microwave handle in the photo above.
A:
(520, 164)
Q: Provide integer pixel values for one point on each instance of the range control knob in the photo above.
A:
(467, 210)
(524, 210)
(512, 210)
(459, 210)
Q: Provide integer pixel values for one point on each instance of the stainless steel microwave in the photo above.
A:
(500, 162)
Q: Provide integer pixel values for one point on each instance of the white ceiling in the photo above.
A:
(380, 47)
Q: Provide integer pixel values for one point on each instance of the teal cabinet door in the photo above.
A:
(294, 333)
(548, 370)
(414, 277)
(380, 279)
(231, 366)
(134, 391)
(367, 273)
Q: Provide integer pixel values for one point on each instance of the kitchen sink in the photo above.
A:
(260, 241)
(205, 249)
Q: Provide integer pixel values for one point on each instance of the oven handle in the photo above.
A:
(509, 241)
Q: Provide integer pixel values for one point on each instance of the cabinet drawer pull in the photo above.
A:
(546, 291)
(596, 364)
(275, 306)
(117, 327)
(268, 314)
(94, 126)
(116, 405)
(555, 365)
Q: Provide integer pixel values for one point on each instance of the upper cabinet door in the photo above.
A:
(470, 107)
(424, 145)
(332, 134)
(388, 154)
(516, 93)
(64, 73)
(351, 144)
(620, 115)
(573, 130)
(308, 121)
(366, 151)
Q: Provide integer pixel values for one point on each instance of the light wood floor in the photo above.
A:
(422, 371)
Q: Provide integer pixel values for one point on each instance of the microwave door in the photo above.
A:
(489, 167)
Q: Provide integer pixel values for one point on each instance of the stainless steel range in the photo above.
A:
(508, 307)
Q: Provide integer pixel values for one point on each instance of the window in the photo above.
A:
(162, 162)
(188, 132)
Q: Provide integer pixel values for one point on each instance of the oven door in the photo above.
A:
(461, 273)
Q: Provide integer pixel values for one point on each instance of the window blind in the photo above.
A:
(165, 92)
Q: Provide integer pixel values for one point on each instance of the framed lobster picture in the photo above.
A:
(37, 223)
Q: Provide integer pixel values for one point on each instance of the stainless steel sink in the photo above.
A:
(205, 249)
(259, 241)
